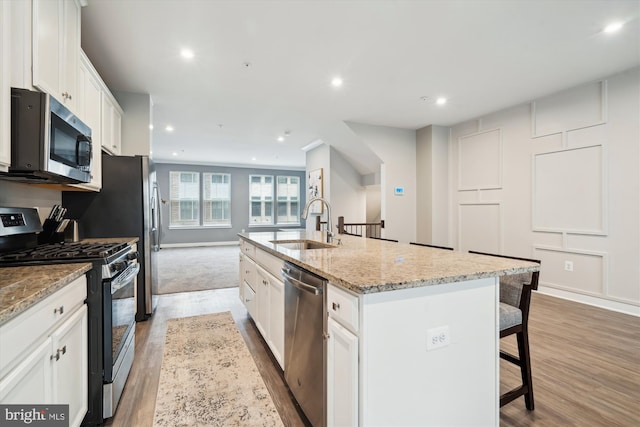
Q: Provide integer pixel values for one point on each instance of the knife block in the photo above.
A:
(49, 234)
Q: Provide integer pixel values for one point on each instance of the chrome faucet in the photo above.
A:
(305, 214)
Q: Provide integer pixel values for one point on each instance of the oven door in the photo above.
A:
(119, 318)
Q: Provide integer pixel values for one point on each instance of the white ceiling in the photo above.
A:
(482, 55)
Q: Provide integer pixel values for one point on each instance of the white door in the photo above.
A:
(30, 381)
(342, 376)
(276, 319)
(70, 365)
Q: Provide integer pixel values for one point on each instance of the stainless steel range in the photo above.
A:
(110, 298)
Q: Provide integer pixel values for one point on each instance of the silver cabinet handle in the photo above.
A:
(58, 310)
(335, 306)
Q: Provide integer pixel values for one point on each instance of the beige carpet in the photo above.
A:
(197, 269)
(208, 377)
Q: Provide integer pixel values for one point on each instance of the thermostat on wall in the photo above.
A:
(398, 191)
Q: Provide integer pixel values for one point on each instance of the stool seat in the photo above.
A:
(509, 316)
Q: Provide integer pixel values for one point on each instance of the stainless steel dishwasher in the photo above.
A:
(304, 346)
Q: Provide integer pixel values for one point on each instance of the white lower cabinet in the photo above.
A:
(276, 320)
(270, 312)
(342, 376)
(262, 294)
(70, 365)
(49, 360)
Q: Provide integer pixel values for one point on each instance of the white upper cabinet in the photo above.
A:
(111, 123)
(5, 89)
(56, 48)
(89, 107)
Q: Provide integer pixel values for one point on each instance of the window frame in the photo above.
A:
(227, 223)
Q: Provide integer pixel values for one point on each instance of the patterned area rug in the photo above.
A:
(197, 269)
(209, 378)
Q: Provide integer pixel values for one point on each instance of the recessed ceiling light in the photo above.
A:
(280, 138)
(253, 158)
(187, 53)
(613, 27)
(169, 128)
(150, 126)
(174, 154)
(441, 101)
(336, 82)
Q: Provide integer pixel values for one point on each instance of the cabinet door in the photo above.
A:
(70, 365)
(70, 53)
(342, 376)
(262, 302)
(241, 278)
(48, 16)
(5, 107)
(106, 122)
(89, 107)
(117, 132)
(56, 45)
(30, 381)
(276, 319)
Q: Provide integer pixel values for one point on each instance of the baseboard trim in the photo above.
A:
(620, 307)
(198, 244)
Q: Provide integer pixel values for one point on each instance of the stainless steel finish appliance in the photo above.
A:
(48, 143)
(304, 344)
(127, 206)
(110, 300)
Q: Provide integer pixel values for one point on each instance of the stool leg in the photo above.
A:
(525, 367)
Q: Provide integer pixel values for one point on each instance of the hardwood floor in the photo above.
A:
(586, 363)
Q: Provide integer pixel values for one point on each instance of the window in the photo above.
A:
(216, 199)
(261, 199)
(288, 199)
(184, 198)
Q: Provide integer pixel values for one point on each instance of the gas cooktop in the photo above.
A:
(63, 251)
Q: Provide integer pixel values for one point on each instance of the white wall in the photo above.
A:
(348, 196)
(432, 177)
(557, 180)
(342, 186)
(397, 150)
(136, 135)
(21, 195)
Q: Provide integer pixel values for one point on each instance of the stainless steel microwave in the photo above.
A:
(49, 144)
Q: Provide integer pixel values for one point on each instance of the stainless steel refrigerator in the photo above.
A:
(127, 206)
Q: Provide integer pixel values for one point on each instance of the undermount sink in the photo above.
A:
(302, 245)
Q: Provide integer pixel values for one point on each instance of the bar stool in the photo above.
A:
(515, 298)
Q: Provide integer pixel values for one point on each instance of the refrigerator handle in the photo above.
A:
(157, 216)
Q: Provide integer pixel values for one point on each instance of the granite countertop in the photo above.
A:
(369, 265)
(23, 287)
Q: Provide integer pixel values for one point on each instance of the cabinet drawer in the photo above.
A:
(27, 328)
(249, 299)
(249, 272)
(248, 249)
(343, 307)
(270, 263)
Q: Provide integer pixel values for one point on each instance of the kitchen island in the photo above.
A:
(412, 332)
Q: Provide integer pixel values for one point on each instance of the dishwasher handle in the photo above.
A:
(300, 285)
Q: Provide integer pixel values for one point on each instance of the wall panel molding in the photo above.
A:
(570, 191)
(480, 160)
(480, 226)
(590, 275)
(580, 107)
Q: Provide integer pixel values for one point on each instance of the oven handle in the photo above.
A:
(125, 277)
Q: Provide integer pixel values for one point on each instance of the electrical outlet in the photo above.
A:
(568, 266)
(438, 337)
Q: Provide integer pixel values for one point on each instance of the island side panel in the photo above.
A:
(403, 383)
